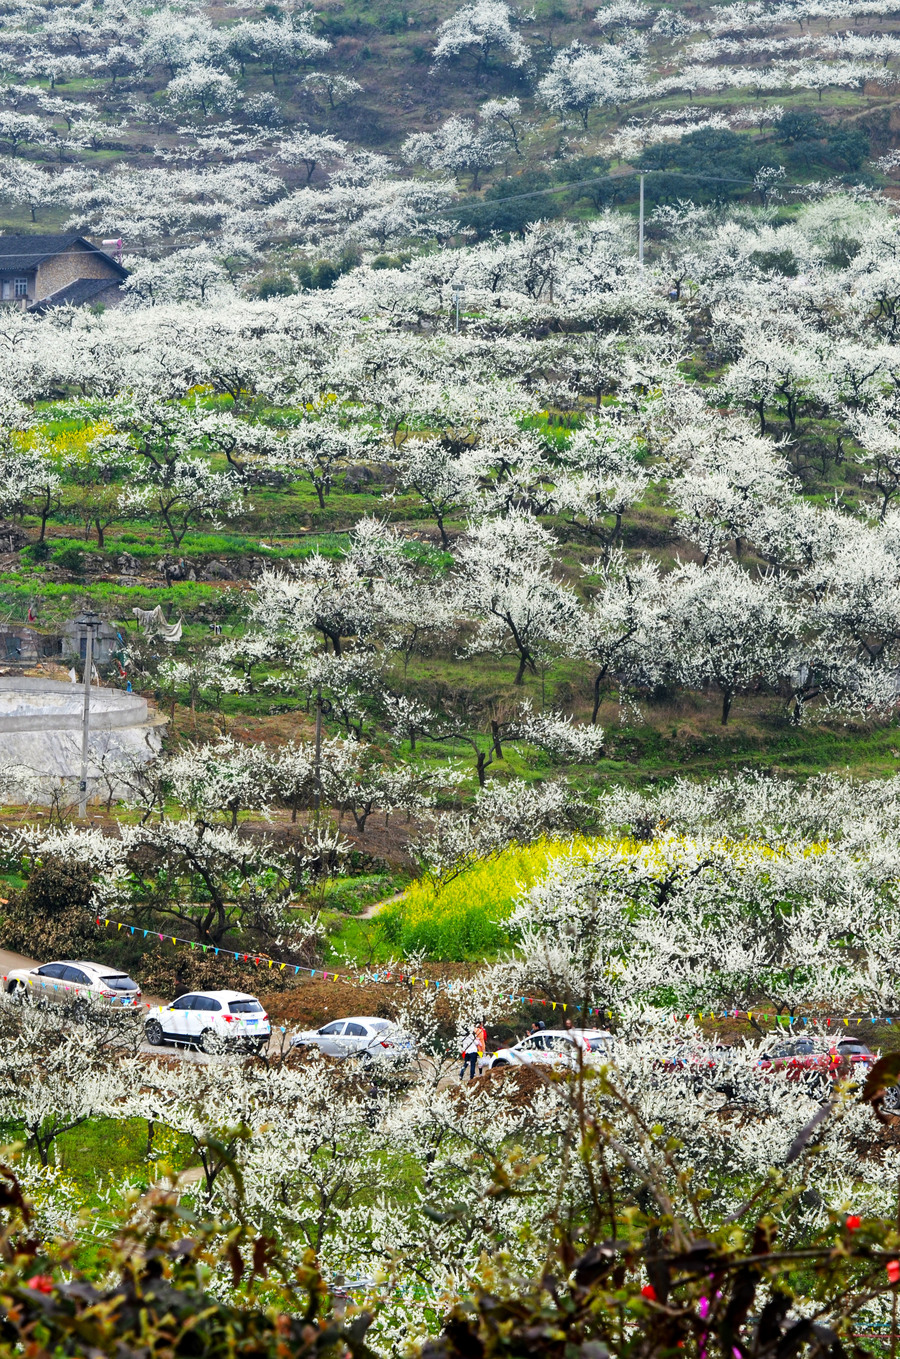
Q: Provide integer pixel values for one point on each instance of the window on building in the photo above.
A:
(21, 287)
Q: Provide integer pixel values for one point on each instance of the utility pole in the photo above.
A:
(457, 296)
(641, 227)
(89, 621)
(318, 765)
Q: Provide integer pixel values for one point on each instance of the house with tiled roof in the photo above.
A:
(38, 273)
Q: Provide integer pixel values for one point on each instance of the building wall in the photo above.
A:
(7, 286)
(23, 646)
(110, 297)
(77, 262)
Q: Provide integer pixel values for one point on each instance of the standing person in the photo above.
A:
(469, 1056)
(481, 1039)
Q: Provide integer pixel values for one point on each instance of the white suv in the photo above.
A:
(211, 1019)
(555, 1047)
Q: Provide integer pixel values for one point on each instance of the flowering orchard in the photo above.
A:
(517, 572)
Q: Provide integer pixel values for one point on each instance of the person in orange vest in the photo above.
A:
(481, 1039)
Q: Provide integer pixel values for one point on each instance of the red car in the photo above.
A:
(800, 1060)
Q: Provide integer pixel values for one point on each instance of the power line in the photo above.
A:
(602, 179)
(467, 205)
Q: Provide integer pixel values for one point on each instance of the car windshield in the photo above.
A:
(120, 983)
(245, 1007)
(803, 1048)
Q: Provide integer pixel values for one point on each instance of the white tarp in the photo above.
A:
(154, 624)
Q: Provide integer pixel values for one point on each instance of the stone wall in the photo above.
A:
(76, 262)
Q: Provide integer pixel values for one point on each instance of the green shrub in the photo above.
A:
(278, 285)
(69, 558)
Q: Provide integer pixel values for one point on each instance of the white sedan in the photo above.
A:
(212, 1020)
(77, 984)
(552, 1047)
(366, 1037)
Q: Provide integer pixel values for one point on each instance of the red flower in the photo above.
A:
(41, 1283)
(648, 1291)
(893, 1270)
(853, 1223)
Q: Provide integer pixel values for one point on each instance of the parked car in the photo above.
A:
(211, 1020)
(76, 984)
(707, 1066)
(551, 1047)
(366, 1037)
(799, 1059)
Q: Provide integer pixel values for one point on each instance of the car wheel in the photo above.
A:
(80, 1010)
(16, 989)
(499, 1061)
(153, 1032)
(209, 1042)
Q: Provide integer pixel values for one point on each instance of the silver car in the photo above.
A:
(77, 984)
(365, 1037)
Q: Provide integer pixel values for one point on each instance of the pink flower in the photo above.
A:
(853, 1223)
(893, 1271)
(41, 1283)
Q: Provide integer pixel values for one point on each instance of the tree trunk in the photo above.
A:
(727, 699)
(495, 732)
(598, 680)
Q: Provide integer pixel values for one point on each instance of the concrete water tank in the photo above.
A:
(40, 730)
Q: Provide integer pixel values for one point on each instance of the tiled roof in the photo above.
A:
(74, 294)
(27, 252)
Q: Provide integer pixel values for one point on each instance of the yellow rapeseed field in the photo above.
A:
(465, 918)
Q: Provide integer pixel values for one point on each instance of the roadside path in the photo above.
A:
(377, 906)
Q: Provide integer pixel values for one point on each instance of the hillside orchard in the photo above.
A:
(523, 607)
